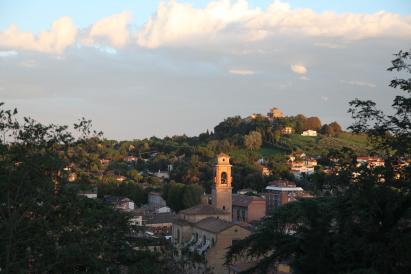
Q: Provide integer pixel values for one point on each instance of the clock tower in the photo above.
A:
(222, 190)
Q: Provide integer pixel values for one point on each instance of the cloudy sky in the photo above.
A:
(140, 68)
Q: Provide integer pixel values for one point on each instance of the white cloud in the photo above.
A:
(179, 23)
(299, 69)
(242, 71)
(61, 35)
(112, 28)
(359, 83)
(8, 53)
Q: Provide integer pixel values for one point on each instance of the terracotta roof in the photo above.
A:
(203, 210)
(245, 200)
(213, 225)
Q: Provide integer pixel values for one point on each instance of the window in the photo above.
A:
(223, 178)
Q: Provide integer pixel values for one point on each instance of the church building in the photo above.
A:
(208, 230)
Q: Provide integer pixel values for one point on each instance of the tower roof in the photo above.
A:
(223, 158)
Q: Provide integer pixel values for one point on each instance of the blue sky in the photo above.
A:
(36, 15)
(144, 68)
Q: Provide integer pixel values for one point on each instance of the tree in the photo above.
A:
(174, 196)
(327, 130)
(45, 226)
(134, 174)
(192, 195)
(313, 123)
(300, 121)
(253, 140)
(363, 225)
(336, 128)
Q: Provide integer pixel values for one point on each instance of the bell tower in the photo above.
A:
(222, 190)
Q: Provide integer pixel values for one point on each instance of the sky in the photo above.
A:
(162, 68)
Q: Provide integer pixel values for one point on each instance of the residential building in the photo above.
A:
(130, 159)
(121, 203)
(309, 132)
(280, 192)
(164, 209)
(265, 171)
(287, 131)
(370, 161)
(155, 201)
(90, 193)
(247, 209)
(105, 162)
(160, 223)
(137, 216)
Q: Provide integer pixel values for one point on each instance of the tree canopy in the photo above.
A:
(362, 223)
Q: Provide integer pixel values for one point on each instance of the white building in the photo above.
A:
(309, 132)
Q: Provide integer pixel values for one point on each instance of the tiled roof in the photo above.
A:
(245, 200)
(203, 210)
(181, 222)
(222, 154)
(160, 218)
(213, 225)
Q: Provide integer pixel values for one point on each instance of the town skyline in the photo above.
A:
(179, 67)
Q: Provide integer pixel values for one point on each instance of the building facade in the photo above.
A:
(248, 209)
(275, 113)
(280, 192)
(208, 230)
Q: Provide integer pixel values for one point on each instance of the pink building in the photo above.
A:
(247, 209)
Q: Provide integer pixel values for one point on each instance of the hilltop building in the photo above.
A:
(311, 133)
(206, 229)
(275, 113)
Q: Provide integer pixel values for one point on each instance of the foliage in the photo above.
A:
(45, 226)
(179, 196)
(362, 226)
(253, 140)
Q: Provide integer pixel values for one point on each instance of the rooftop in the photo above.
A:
(213, 225)
(203, 210)
(245, 200)
(282, 183)
(160, 218)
